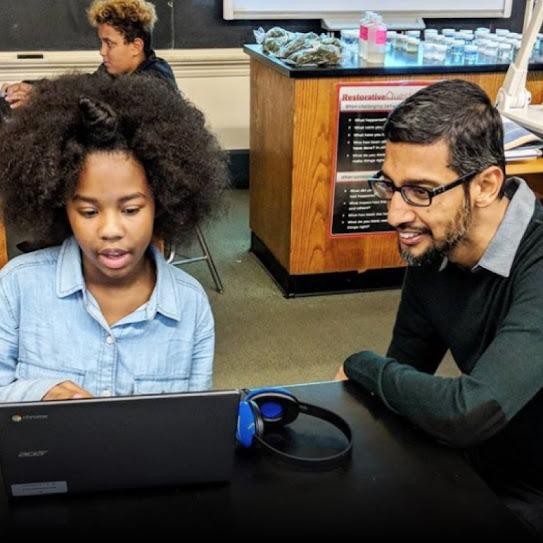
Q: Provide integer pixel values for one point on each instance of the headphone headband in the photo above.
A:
(277, 407)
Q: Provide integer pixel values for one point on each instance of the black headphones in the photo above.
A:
(272, 408)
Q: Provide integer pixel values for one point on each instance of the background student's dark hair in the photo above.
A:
(133, 19)
(43, 147)
(458, 112)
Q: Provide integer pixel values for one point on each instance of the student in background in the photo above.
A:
(103, 168)
(473, 242)
(125, 29)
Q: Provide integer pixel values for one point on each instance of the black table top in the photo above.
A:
(395, 64)
(399, 483)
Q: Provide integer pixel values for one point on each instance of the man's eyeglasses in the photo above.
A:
(414, 195)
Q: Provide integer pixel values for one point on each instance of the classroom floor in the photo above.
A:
(265, 339)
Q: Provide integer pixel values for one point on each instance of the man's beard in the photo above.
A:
(457, 231)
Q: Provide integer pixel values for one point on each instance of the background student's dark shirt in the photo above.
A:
(154, 66)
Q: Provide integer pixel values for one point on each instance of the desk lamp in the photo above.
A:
(513, 99)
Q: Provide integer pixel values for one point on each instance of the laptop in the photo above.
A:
(119, 443)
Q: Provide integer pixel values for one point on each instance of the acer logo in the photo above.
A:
(32, 454)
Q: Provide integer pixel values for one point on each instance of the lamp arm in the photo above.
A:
(513, 92)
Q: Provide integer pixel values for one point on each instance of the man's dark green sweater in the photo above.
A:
(491, 319)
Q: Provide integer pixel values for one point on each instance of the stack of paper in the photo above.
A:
(520, 143)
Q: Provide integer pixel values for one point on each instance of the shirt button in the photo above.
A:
(106, 393)
(110, 339)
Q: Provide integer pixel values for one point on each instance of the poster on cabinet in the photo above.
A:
(359, 152)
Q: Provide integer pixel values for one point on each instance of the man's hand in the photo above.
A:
(16, 94)
(340, 375)
(67, 390)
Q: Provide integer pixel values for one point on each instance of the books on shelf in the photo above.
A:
(520, 143)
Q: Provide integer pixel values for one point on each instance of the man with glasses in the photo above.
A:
(473, 242)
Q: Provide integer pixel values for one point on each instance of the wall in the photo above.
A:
(57, 25)
(60, 25)
(217, 80)
(204, 50)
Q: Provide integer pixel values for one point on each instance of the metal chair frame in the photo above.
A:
(206, 256)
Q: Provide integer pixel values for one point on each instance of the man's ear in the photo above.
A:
(487, 185)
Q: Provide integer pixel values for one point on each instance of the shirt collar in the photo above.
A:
(500, 253)
(69, 279)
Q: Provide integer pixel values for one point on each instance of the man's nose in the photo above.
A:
(399, 211)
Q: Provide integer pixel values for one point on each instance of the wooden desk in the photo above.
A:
(292, 136)
(531, 171)
(399, 485)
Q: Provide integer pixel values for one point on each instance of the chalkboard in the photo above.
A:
(62, 25)
(199, 24)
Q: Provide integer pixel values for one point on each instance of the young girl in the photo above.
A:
(100, 168)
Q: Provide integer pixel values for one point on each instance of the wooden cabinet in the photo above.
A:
(292, 136)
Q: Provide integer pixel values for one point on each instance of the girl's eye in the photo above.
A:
(131, 210)
(87, 212)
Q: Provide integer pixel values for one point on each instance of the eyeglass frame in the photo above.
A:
(430, 192)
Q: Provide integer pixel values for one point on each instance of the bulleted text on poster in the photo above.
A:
(359, 153)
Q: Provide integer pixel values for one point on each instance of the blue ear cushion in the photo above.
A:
(277, 406)
(249, 423)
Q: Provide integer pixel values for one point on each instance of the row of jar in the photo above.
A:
(451, 46)
(501, 46)
(456, 51)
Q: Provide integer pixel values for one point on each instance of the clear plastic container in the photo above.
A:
(413, 33)
(534, 55)
(430, 33)
(490, 52)
(391, 40)
(363, 31)
(428, 52)
(471, 53)
(481, 32)
(504, 52)
(468, 38)
(449, 42)
(349, 45)
(377, 41)
(440, 53)
(457, 51)
(412, 45)
(398, 42)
